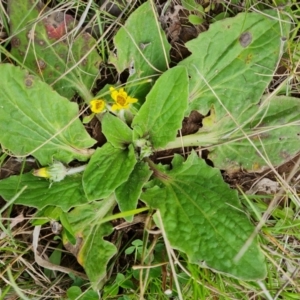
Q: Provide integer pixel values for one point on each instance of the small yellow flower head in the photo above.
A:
(42, 172)
(55, 172)
(97, 106)
(121, 98)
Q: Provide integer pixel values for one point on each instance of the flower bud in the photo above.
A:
(145, 147)
(55, 172)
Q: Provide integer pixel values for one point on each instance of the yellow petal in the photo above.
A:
(42, 172)
(132, 100)
(115, 107)
(114, 95)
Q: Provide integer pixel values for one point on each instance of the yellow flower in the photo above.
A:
(97, 106)
(43, 172)
(121, 98)
(55, 172)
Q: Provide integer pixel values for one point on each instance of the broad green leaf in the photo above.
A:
(128, 193)
(36, 120)
(91, 250)
(108, 168)
(44, 49)
(265, 132)
(273, 128)
(64, 194)
(116, 131)
(229, 81)
(233, 62)
(202, 217)
(143, 52)
(161, 115)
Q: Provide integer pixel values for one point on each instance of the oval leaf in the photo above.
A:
(143, 52)
(36, 120)
(43, 47)
(116, 131)
(108, 168)
(161, 115)
(233, 62)
(202, 217)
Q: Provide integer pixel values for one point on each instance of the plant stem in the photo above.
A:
(79, 169)
(124, 214)
(191, 140)
(84, 93)
(108, 204)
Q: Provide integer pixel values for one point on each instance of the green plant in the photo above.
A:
(197, 212)
(136, 248)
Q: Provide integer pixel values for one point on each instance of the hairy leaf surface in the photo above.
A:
(161, 115)
(64, 194)
(46, 48)
(143, 52)
(108, 168)
(36, 120)
(91, 250)
(202, 217)
(116, 131)
(128, 193)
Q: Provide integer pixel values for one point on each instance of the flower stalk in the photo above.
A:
(191, 140)
(57, 171)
